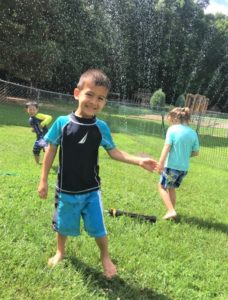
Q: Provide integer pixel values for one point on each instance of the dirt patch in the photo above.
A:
(204, 123)
(16, 100)
(147, 117)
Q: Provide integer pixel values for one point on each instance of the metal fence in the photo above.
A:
(212, 127)
(16, 93)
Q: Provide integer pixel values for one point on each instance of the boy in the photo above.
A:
(181, 143)
(39, 124)
(78, 189)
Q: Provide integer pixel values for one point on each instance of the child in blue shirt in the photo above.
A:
(181, 143)
(79, 136)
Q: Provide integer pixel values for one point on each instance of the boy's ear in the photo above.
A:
(76, 93)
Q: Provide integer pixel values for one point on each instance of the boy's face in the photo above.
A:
(91, 99)
(32, 110)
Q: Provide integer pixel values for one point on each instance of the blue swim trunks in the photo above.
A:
(39, 144)
(69, 208)
(171, 178)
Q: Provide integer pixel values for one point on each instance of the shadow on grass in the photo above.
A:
(125, 124)
(213, 141)
(203, 223)
(118, 123)
(116, 288)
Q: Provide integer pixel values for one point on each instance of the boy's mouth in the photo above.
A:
(90, 107)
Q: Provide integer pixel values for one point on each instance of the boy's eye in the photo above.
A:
(89, 94)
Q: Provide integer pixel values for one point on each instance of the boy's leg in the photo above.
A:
(37, 158)
(93, 218)
(108, 266)
(172, 195)
(61, 240)
(165, 195)
(36, 151)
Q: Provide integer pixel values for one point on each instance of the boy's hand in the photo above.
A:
(149, 164)
(43, 189)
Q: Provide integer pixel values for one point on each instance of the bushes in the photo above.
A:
(157, 99)
(180, 102)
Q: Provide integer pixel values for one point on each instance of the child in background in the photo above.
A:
(79, 136)
(181, 143)
(39, 124)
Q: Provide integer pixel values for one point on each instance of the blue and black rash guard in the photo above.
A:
(79, 140)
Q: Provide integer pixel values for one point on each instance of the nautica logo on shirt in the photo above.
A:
(82, 141)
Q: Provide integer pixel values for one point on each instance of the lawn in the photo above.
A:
(187, 259)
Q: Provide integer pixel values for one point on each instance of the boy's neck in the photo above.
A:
(79, 115)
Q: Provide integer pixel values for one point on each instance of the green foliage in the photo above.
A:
(180, 102)
(50, 43)
(157, 99)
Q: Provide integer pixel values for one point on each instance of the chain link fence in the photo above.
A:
(141, 120)
(20, 94)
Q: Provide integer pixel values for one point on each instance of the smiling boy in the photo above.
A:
(79, 136)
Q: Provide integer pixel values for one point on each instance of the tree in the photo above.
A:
(26, 50)
(180, 102)
(149, 44)
(157, 99)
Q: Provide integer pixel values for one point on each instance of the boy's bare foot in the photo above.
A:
(109, 268)
(53, 261)
(170, 215)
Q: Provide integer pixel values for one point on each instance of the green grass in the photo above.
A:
(184, 260)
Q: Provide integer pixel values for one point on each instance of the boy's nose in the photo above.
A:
(94, 100)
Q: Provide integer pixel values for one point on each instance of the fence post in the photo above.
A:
(199, 122)
(163, 123)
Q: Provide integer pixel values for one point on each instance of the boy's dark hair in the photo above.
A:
(31, 103)
(98, 77)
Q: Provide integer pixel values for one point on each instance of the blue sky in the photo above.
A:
(217, 6)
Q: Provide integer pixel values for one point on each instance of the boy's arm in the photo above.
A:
(46, 119)
(163, 156)
(195, 147)
(49, 157)
(146, 163)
